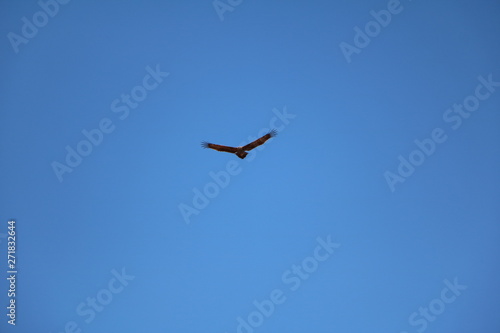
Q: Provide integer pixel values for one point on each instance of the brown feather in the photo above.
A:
(240, 151)
(219, 147)
(259, 141)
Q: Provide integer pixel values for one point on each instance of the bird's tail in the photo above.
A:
(241, 154)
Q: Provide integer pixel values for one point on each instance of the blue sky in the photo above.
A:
(375, 209)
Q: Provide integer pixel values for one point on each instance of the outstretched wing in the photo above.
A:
(260, 141)
(219, 147)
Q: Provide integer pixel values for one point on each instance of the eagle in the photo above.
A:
(241, 151)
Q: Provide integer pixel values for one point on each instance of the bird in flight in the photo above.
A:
(241, 151)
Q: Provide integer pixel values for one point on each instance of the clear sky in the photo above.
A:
(375, 209)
